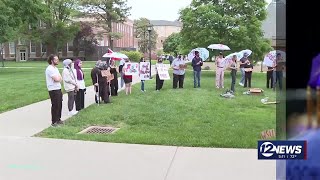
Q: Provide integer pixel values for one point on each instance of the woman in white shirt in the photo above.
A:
(81, 84)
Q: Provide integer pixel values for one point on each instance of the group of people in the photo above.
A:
(74, 85)
(104, 77)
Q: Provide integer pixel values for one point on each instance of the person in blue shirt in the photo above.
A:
(197, 62)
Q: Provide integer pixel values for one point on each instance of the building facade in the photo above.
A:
(274, 26)
(164, 29)
(23, 50)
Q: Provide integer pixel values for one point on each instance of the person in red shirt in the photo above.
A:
(127, 78)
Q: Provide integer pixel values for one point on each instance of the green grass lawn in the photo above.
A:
(181, 117)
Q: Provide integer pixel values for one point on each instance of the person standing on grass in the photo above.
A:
(233, 68)
(270, 77)
(122, 61)
(197, 62)
(219, 71)
(70, 84)
(170, 59)
(278, 72)
(142, 81)
(179, 71)
(243, 62)
(114, 82)
(159, 82)
(248, 74)
(81, 84)
(127, 79)
(53, 79)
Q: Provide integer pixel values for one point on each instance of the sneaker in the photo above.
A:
(217, 87)
(222, 87)
(142, 90)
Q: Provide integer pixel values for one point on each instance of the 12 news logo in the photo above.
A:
(282, 150)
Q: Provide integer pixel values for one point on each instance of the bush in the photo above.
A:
(133, 55)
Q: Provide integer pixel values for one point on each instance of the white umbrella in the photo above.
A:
(270, 58)
(228, 59)
(203, 52)
(221, 47)
(247, 51)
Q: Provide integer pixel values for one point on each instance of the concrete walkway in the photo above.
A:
(23, 157)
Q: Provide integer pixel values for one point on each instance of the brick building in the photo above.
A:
(23, 50)
(165, 29)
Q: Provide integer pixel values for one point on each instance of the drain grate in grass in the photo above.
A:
(99, 130)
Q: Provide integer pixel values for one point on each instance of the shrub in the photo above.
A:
(133, 55)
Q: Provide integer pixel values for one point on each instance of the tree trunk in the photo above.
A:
(1, 55)
(76, 48)
(109, 35)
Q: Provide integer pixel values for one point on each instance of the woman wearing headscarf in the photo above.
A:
(100, 83)
(70, 84)
(81, 84)
(114, 81)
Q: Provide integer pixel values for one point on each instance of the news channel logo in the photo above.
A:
(275, 150)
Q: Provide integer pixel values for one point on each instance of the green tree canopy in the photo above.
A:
(236, 23)
(172, 44)
(141, 32)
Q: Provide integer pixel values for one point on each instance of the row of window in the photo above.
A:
(33, 47)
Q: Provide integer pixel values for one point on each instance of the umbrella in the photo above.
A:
(221, 47)
(204, 53)
(228, 59)
(114, 55)
(247, 51)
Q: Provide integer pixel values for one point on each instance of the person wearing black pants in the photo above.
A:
(114, 82)
(80, 99)
(100, 83)
(82, 87)
(248, 74)
(53, 79)
(270, 78)
(159, 82)
(178, 66)
(233, 67)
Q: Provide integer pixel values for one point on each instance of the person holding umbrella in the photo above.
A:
(219, 71)
(197, 62)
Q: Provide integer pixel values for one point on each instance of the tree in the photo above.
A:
(172, 44)
(86, 39)
(14, 16)
(55, 28)
(236, 23)
(107, 12)
(141, 32)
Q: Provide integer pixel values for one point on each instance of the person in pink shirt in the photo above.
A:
(219, 71)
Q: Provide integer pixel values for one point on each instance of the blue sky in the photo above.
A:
(158, 9)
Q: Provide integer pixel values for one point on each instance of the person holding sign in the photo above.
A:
(159, 82)
(197, 62)
(142, 81)
(114, 82)
(179, 67)
(248, 73)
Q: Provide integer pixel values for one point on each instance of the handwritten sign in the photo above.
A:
(163, 71)
(268, 134)
(131, 69)
(144, 70)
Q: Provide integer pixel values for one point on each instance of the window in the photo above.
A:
(42, 24)
(101, 42)
(33, 47)
(43, 48)
(12, 48)
(70, 46)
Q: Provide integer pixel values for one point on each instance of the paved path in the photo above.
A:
(23, 157)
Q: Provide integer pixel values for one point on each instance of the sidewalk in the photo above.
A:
(32, 119)
(51, 159)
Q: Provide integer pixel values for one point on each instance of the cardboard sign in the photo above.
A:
(268, 134)
(182, 66)
(144, 70)
(131, 69)
(163, 72)
(255, 91)
(107, 74)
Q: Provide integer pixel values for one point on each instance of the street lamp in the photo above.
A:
(111, 45)
(149, 30)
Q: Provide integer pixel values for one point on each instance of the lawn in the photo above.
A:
(182, 117)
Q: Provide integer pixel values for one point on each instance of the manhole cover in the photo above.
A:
(99, 130)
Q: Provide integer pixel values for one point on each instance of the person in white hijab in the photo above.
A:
(70, 84)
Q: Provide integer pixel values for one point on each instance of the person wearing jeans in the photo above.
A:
(278, 72)
(233, 67)
(219, 72)
(197, 62)
(243, 62)
(53, 79)
(178, 66)
(270, 78)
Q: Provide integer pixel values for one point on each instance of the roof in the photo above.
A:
(165, 23)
